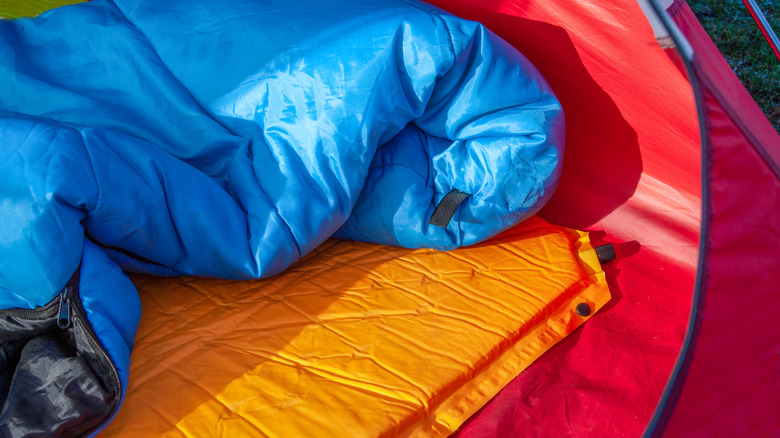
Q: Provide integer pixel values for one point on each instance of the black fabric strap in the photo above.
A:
(442, 214)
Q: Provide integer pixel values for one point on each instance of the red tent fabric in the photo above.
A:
(670, 159)
(729, 364)
(632, 175)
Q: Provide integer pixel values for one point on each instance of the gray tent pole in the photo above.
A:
(763, 24)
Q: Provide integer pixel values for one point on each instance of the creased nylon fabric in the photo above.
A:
(357, 339)
(228, 142)
(185, 138)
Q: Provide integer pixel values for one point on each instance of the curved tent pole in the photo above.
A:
(763, 24)
(657, 425)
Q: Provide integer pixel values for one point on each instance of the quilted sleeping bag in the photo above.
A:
(180, 138)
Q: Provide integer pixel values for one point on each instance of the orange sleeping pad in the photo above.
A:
(356, 339)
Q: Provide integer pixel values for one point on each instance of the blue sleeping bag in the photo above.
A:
(229, 140)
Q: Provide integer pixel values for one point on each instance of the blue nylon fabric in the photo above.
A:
(112, 306)
(230, 140)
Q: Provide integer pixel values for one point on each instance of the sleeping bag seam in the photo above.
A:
(382, 166)
(275, 209)
(98, 189)
(453, 52)
(435, 13)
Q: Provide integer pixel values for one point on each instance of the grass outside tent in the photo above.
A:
(739, 39)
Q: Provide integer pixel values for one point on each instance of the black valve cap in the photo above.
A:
(605, 253)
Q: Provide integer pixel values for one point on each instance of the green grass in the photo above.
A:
(739, 39)
(29, 8)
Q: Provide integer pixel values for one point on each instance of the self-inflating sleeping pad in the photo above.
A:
(356, 340)
(179, 138)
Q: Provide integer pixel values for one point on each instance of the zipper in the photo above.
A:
(59, 305)
(66, 307)
(46, 312)
(63, 310)
(78, 316)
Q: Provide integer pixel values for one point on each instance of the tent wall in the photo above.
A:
(726, 381)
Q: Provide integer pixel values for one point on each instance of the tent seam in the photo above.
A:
(710, 88)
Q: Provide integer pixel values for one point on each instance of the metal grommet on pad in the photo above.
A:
(583, 309)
